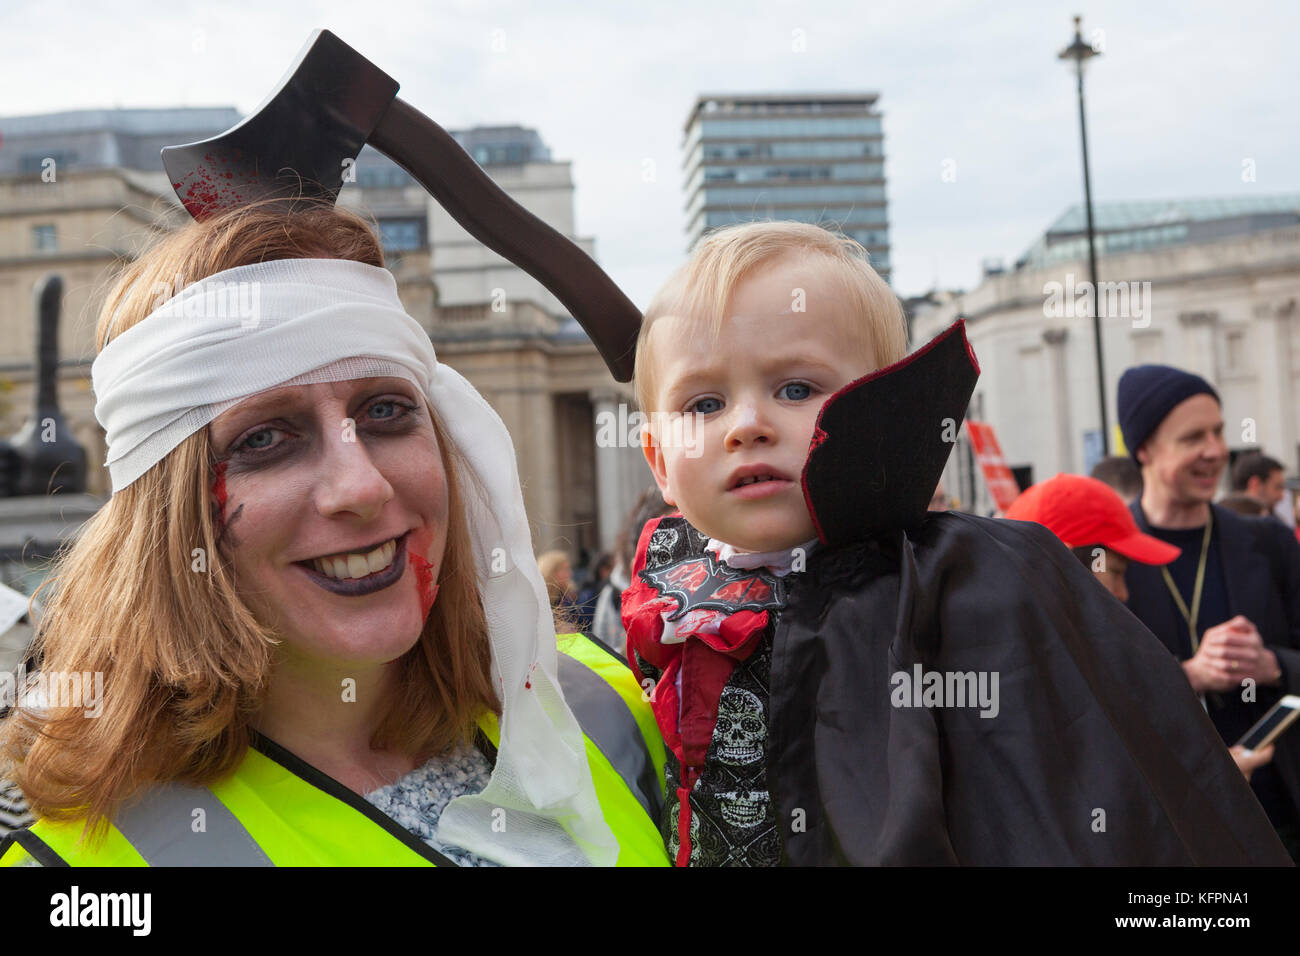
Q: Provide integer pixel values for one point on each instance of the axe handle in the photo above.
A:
(440, 165)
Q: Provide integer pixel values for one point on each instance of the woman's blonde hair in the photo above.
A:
(702, 289)
(184, 661)
(549, 562)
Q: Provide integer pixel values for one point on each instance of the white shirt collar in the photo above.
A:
(778, 562)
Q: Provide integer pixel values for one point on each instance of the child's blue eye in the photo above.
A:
(807, 390)
(695, 406)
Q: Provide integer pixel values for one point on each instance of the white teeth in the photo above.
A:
(357, 565)
(753, 479)
(376, 560)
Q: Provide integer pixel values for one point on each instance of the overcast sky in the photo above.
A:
(1183, 94)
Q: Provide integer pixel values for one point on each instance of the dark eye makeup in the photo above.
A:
(244, 447)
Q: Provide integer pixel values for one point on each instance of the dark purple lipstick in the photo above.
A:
(359, 587)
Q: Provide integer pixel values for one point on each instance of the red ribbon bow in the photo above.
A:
(705, 661)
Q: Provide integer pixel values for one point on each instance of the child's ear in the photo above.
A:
(654, 457)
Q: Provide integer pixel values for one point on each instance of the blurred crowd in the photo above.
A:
(590, 598)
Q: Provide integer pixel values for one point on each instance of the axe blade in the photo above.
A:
(321, 115)
(332, 102)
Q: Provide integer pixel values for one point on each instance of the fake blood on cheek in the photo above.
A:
(219, 522)
(219, 489)
(424, 581)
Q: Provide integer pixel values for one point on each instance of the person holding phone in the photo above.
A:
(1092, 520)
(1228, 607)
(1256, 745)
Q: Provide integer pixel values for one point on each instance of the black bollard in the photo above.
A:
(48, 458)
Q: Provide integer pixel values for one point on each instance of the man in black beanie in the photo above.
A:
(1229, 607)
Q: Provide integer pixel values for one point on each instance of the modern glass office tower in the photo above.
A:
(814, 157)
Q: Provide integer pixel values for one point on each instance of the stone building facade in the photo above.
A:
(488, 319)
(1222, 305)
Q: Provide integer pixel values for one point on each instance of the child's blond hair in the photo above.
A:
(702, 290)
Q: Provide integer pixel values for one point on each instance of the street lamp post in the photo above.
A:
(1080, 53)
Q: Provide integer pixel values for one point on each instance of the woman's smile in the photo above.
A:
(345, 579)
(348, 502)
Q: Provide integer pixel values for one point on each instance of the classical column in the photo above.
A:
(1199, 354)
(1056, 363)
(528, 411)
(1276, 389)
(609, 431)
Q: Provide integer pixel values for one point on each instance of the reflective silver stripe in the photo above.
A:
(605, 718)
(161, 829)
(39, 853)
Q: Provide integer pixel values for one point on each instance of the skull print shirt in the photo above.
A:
(729, 819)
(700, 631)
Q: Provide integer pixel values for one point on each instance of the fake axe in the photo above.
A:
(332, 101)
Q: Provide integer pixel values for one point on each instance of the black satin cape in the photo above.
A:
(1099, 753)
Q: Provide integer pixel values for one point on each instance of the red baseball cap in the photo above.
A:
(1082, 511)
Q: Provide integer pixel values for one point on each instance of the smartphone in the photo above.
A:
(1269, 727)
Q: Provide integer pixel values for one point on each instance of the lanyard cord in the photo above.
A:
(1191, 616)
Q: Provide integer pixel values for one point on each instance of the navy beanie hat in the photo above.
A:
(1147, 393)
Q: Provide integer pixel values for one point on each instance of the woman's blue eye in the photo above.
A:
(406, 409)
(695, 407)
(251, 445)
(803, 385)
(248, 442)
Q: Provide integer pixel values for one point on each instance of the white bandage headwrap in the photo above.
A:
(300, 321)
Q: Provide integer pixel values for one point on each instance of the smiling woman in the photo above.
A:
(327, 489)
(312, 594)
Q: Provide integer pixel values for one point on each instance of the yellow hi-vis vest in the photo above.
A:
(277, 810)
